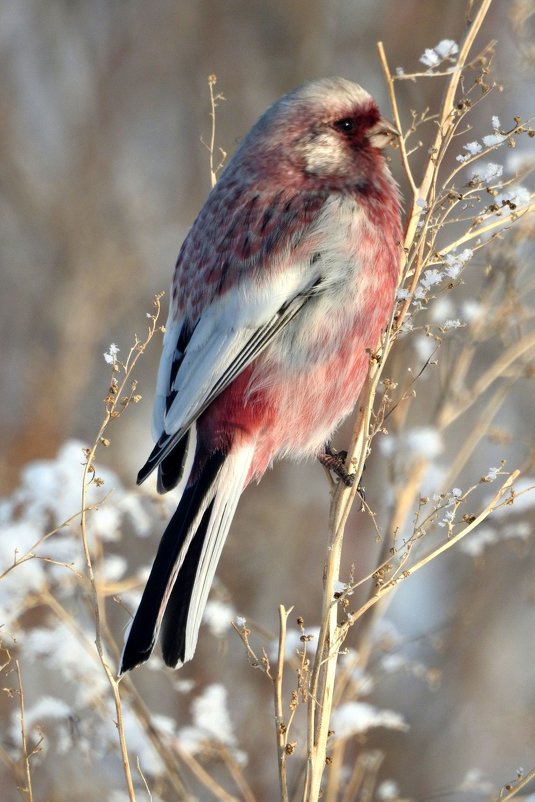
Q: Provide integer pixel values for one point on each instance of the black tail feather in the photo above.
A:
(143, 632)
(173, 632)
(171, 468)
(172, 447)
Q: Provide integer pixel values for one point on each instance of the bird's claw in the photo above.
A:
(335, 461)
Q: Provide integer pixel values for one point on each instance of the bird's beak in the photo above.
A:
(383, 133)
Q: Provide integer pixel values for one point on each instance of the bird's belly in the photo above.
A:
(306, 384)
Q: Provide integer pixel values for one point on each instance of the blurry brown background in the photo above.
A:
(102, 106)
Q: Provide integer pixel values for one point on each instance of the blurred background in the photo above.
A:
(103, 105)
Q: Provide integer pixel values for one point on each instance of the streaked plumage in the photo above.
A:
(284, 281)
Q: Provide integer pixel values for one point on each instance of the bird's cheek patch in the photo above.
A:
(323, 156)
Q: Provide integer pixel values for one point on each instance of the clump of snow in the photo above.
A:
(387, 790)
(355, 718)
(454, 262)
(487, 172)
(493, 140)
(218, 616)
(518, 196)
(210, 722)
(423, 441)
(433, 56)
(472, 149)
(111, 354)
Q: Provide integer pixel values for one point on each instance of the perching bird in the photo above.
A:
(283, 284)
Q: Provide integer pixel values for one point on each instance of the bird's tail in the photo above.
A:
(177, 589)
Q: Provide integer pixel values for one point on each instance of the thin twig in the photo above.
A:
(280, 726)
(25, 754)
(116, 396)
(511, 790)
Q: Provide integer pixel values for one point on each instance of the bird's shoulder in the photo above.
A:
(242, 228)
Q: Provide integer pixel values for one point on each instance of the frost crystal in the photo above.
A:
(496, 125)
(452, 324)
(472, 149)
(111, 354)
(446, 49)
(448, 519)
(488, 172)
(493, 140)
(429, 57)
(431, 277)
(455, 262)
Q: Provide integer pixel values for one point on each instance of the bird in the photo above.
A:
(282, 287)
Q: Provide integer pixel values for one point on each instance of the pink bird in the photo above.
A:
(283, 283)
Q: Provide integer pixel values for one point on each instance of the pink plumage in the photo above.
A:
(284, 282)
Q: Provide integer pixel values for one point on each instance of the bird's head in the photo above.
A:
(330, 129)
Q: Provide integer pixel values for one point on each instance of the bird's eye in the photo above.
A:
(346, 125)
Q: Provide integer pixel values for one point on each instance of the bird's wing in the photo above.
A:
(230, 333)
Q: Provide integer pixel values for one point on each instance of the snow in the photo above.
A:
(354, 718)
(433, 56)
(519, 195)
(111, 354)
(493, 140)
(387, 790)
(488, 172)
(211, 722)
(456, 262)
(423, 441)
(472, 149)
(218, 616)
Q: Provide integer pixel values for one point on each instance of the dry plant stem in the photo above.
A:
(166, 753)
(114, 398)
(333, 781)
(9, 763)
(388, 587)
(497, 369)
(445, 123)
(143, 779)
(518, 786)
(324, 667)
(281, 727)
(202, 775)
(478, 432)
(331, 637)
(356, 779)
(238, 776)
(25, 754)
(212, 80)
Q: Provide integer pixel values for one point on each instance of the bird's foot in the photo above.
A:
(334, 461)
